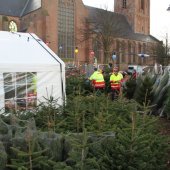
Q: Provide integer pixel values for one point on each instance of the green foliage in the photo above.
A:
(95, 114)
(161, 89)
(26, 152)
(3, 157)
(100, 112)
(76, 84)
(107, 73)
(133, 147)
(167, 104)
(129, 88)
(62, 166)
(144, 93)
(89, 132)
(28, 160)
(57, 146)
(47, 113)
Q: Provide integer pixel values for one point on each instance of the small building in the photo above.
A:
(30, 72)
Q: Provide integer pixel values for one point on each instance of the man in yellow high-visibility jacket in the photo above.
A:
(115, 80)
(97, 80)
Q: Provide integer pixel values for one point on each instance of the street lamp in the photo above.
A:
(60, 50)
(76, 59)
(143, 55)
(114, 56)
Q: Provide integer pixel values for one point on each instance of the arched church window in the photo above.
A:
(139, 48)
(13, 26)
(139, 52)
(5, 23)
(118, 51)
(123, 48)
(66, 32)
(142, 4)
(134, 52)
(124, 4)
(129, 52)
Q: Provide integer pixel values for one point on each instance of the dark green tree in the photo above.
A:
(26, 153)
(134, 146)
(129, 88)
(144, 93)
(167, 104)
(3, 156)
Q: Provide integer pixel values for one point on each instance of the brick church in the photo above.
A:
(58, 24)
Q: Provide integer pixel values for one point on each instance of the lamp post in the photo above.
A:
(142, 55)
(60, 50)
(114, 57)
(76, 58)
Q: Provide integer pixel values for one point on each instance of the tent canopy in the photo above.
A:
(26, 52)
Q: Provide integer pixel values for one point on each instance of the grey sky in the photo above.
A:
(160, 17)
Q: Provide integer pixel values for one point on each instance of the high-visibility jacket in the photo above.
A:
(93, 75)
(34, 81)
(97, 80)
(115, 81)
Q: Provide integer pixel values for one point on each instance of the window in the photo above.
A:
(66, 30)
(134, 53)
(123, 48)
(142, 4)
(129, 52)
(20, 91)
(118, 51)
(139, 52)
(13, 26)
(124, 4)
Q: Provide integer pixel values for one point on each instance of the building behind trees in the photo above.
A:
(59, 23)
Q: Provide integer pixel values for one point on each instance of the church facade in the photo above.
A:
(58, 24)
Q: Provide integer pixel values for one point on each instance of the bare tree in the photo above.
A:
(104, 26)
(161, 52)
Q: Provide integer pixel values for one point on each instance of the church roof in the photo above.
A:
(18, 8)
(121, 28)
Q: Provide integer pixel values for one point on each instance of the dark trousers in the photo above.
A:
(115, 93)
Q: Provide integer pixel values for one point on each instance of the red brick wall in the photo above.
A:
(43, 22)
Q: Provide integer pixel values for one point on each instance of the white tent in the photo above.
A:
(29, 72)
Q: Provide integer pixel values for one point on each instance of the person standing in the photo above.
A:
(97, 79)
(134, 74)
(115, 81)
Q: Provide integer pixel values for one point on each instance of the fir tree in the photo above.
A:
(26, 151)
(144, 92)
(167, 105)
(130, 87)
(3, 157)
(134, 146)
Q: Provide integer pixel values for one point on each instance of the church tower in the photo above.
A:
(137, 13)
